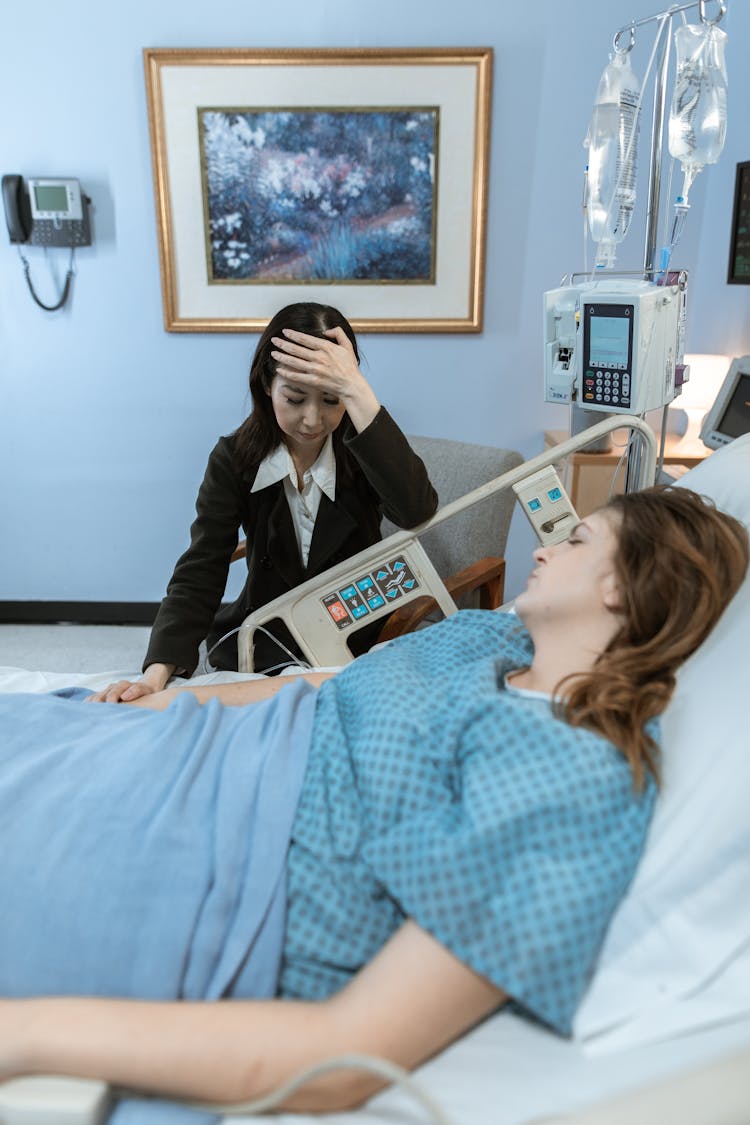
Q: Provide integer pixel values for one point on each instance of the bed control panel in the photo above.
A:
(367, 587)
(547, 506)
(370, 592)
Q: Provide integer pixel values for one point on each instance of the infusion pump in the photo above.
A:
(614, 344)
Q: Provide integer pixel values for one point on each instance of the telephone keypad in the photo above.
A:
(44, 232)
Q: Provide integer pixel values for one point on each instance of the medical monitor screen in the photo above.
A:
(739, 250)
(735, 421)
(609, 339)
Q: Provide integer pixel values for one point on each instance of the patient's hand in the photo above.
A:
(124, 691)
(155, 678)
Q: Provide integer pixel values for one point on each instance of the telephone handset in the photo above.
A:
(17, 209)
(46, 212)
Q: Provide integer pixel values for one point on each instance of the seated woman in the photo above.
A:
(471, 810)
(307, 477)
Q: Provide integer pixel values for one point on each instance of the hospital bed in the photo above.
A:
(666, 1020)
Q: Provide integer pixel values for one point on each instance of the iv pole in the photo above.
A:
(664, 35)
(659, 111)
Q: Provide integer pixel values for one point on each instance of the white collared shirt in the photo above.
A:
(303, 506)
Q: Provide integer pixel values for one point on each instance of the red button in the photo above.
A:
(337, 611)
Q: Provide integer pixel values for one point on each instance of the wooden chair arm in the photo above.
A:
(239, 551)
(486, 575)
(407, 619)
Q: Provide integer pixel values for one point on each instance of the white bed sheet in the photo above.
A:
(21, 679)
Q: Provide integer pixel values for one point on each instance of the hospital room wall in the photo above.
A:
(106, 419)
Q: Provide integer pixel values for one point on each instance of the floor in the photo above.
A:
(73, 648)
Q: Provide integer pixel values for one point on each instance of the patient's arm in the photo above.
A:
(411, 1001)
(231, 695)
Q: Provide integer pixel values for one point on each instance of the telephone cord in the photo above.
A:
(66, 286)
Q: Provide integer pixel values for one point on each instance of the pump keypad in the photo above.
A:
(382, 586)
(607, 387)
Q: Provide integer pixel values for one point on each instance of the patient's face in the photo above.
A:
(575, 579)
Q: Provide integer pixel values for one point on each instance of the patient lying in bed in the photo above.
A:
(450, 837)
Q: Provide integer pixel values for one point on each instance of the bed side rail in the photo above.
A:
(322, 613)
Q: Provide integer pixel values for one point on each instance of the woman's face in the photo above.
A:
(305, 417)
(576, 578)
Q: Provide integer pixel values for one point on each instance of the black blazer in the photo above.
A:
(389, 480)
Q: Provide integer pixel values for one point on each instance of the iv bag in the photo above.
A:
(612, 140)
(698, 115)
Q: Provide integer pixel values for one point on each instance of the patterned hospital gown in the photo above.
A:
(435, 792)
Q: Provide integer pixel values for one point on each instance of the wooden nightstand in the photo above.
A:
(588, 476)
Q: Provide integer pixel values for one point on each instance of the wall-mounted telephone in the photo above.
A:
(46, 211)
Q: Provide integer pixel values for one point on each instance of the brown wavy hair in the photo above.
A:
(678, 562)
(259, 434)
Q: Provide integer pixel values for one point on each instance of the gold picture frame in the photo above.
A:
(415, 265)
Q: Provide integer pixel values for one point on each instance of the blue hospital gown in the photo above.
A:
(433, 791)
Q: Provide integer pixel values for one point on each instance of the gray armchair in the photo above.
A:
(468, 550)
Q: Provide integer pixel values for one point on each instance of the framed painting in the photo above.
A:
(355, 177)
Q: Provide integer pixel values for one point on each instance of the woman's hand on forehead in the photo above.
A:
(327, 365)
(324, 362)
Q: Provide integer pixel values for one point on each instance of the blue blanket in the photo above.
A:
(144, 853)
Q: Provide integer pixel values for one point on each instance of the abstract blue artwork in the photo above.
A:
(321, 194)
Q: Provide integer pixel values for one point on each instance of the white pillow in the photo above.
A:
(679, 944)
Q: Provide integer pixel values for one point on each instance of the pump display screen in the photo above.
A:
(735, 420)
(609, 339)
(51, 197)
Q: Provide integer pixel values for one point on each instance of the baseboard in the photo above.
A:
(78, 613)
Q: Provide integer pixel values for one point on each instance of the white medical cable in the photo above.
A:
(663, 441)
(294, 661)
(618, 468)
(381, 1067)
(626, 449)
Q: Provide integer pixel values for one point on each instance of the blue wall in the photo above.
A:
(106, 419)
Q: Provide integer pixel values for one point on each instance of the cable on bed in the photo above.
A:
(381, 1067)
(293, 662)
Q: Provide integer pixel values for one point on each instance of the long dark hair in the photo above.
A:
(259, 434)
(678, 563)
